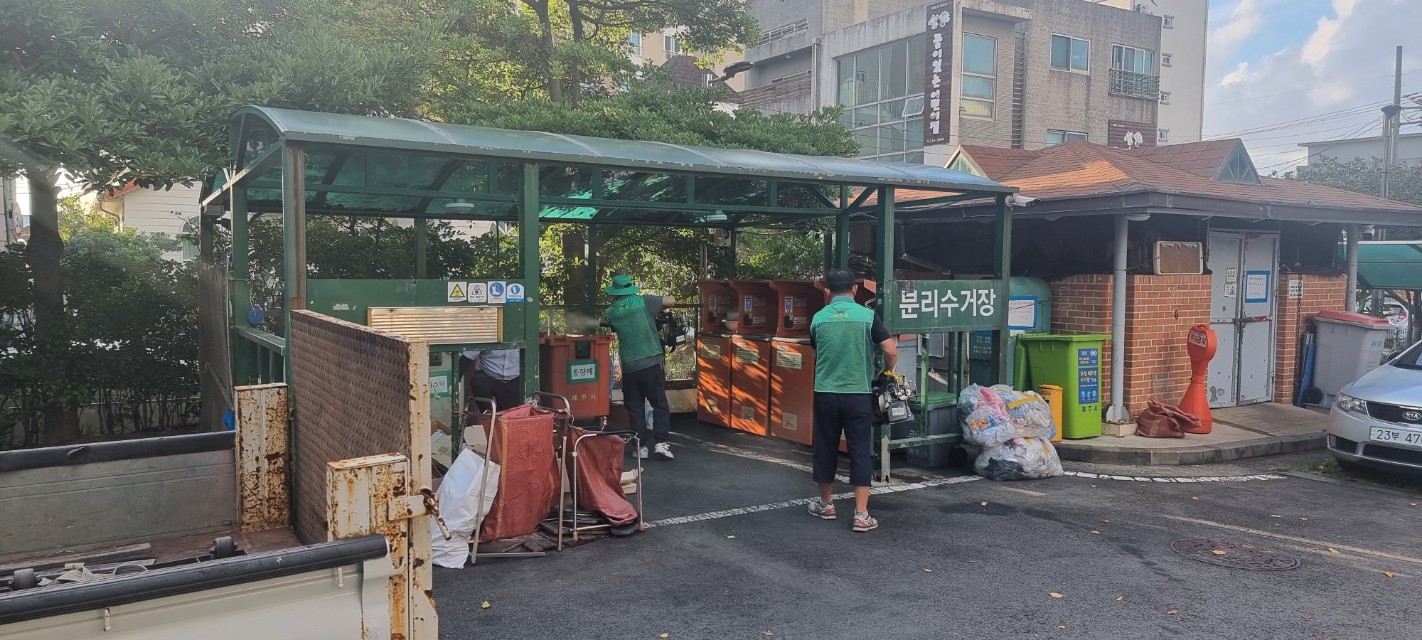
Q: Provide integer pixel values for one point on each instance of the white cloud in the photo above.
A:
(1244, 21)
(1329, 83)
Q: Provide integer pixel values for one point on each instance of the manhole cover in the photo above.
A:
(1236, 555)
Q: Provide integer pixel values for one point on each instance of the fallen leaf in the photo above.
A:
(984, 503)
(1120, 598)
(1412, 504)
(927, 570)
(767, 634)
(1095, 532)
(664, 635)
(1304, 518)
(1094, 486)
(730, 537)
(1195, 498)
(1388, 574)
(1219, 552)
(1171, 612)
(1332, 550)
(1106, 521)
(1275, 515)
(486, 605)
(1061, 626)
(1056, 595)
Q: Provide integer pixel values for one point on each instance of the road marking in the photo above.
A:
(1173, 479)
(876, 491)
(752, 455)
(1024, 491)
(1300, 540)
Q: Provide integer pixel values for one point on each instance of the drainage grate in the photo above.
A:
(1236, 555)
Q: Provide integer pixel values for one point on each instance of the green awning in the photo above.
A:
(1389, 265)
(363, 165)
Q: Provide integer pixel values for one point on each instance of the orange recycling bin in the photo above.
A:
(577, 368)
(718, 298)
(1053, 395)
(792, 391)
(755, 302)
(713, 379)
(750, 385)
(797, 301)
(1200, 345)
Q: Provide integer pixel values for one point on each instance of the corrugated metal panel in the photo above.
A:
(440, 325)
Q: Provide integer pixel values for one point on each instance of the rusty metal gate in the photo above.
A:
(359, 393)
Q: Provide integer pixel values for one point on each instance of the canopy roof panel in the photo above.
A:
(393, 166)
(1389, 265)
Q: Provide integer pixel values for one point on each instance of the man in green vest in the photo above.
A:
(633, 318)
(844, 335)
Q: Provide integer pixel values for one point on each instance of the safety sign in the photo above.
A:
(478, 292)
(515, 292)
(497, 292)
(456, 291)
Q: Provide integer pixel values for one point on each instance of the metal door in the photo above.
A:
(1242, 315)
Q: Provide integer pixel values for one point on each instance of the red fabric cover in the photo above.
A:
(600, 477)
(1161, 420)
(528, 480)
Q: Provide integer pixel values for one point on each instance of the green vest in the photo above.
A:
(636, 334)
(844, 360)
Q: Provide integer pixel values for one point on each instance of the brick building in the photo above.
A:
(1207, 241)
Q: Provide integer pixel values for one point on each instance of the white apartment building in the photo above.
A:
(1184, 32)
(918, 80)
(1409, 149)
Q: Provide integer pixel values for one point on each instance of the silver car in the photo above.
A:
(1377, 421)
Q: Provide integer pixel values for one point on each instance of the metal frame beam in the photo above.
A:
(529, 263)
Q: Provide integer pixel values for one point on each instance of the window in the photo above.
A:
(961, 164)
(1162, 136)
(634, 42)
(1071, 54)
(1167, 22)
(1058, 137)
(671, 46)
(1165, 59)
(1238, 168)
(881, 90)
(979, 76)
(1133, 72)
(1165, 97)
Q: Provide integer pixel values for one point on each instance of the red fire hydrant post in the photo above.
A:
(1200, 346)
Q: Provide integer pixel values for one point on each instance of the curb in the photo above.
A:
(1191, 455)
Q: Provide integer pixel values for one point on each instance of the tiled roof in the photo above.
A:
(1083, 169)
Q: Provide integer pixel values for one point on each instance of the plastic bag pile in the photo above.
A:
(1014, 428)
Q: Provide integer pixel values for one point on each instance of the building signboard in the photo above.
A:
(1130, 135)
(938, 83)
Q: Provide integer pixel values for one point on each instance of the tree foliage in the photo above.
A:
(1365, 176)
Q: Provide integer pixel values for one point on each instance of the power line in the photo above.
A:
(1314, 119)
(1355, 134)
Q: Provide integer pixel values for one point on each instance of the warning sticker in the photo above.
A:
(791, 422)
(478, 292)
(747, 412)
(745, 355)
(456, 291)
(497, 291)
(515, 292)
(788, 358)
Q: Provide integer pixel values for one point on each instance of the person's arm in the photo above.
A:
(668, 302)
(880, 334)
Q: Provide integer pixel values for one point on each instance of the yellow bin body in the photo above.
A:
(1053, 395)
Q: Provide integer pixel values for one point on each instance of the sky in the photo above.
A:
(1281, 72)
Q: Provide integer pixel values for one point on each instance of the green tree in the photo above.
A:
(113, 91)
(1365, 176)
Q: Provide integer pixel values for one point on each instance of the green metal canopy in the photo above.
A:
(1390, 265)
(363, 165)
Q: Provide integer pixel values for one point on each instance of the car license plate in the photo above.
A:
(1400, 436)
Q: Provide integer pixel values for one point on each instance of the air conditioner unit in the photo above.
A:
(1179, 258)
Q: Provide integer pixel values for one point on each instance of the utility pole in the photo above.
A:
(1392, 125)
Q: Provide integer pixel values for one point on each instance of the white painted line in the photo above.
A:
(1024, 491)
(1300, 540)
(876, 491)
(1175, 479)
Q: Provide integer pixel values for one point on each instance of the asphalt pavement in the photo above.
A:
(1088, 555)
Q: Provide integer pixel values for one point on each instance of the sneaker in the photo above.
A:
(864, 522)
(821, 509)
(642, 453)
(663, 449)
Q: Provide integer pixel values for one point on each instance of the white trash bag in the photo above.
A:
(458, 504)
(1019, 459)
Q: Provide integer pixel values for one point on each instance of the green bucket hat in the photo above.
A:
(621, 286)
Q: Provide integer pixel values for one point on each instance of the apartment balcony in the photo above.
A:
(1135, 85)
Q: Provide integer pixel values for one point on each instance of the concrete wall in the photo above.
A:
(1185, 41)
(115, 492)
(1075, 101)
(996, 131)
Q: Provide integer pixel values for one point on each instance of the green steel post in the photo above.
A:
(529, 261)
(422, 240)
(244, 361)
(734, 267)
(884, 256)
(293, 208)
(592, 280)
(205, 224)
(841, 241)
(1002, 271)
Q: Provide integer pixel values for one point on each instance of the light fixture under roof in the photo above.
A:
(459, 206)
